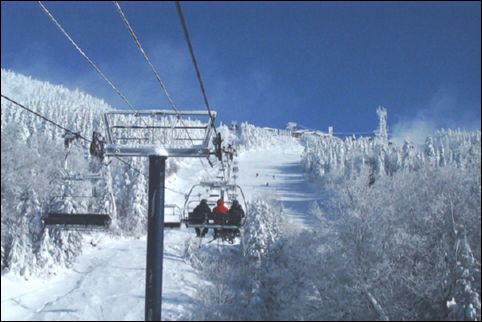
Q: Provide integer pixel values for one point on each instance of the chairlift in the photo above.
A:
(70, 137)
(172, 216)
(87, 220)
(78, 219)
(126, 133)
(75, 220)
(229, 191)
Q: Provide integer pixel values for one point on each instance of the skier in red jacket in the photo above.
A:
(219, 210)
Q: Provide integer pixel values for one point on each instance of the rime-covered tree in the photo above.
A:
(464, 304)
(382, 130)
(136, 221)
(21, 257)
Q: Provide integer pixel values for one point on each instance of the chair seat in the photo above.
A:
(102, 220)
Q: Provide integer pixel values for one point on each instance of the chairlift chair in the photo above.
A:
(81, 219)
(172, 216)
(232, 191)
(78, 219)
(84, 220)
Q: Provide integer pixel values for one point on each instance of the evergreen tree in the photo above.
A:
(21, 257)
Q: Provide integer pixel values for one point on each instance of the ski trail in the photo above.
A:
(107, 282)
(280, 177)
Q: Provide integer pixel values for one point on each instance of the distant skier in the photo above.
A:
(257, 174)
(274, 177)
(267, 184)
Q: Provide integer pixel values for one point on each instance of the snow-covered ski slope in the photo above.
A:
(281, 178)
(107, 282)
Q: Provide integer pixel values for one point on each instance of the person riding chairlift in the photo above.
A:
(235, 216)
(220, 209)
(199, 216)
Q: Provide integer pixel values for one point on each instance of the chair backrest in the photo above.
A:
(86, 220)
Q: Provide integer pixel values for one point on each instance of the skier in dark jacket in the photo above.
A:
(235, 214)
(199, 216)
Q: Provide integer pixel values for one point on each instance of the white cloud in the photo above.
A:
(415, 130)
(444, 109)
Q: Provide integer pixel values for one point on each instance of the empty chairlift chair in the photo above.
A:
(84, 220)
(71, 211)
(172, 216)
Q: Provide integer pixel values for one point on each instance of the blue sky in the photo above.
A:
(318, 64)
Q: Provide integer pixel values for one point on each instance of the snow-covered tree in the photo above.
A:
(252, 137)
(382, 131)
(227, 269)
(21, 255)
(136, 222)
(464, 304)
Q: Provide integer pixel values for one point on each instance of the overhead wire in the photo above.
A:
(153, 69)
(103, 76)
(144, 54)
(196, 67)
(194, 61)
(83, 54)
(97, 69)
